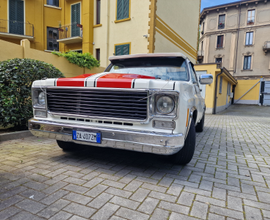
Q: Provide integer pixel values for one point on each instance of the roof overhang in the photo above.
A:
(16, 36)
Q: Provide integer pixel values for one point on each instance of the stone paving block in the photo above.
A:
(116, 218)
(211, 201)
(160, 214)
(54, 197)
(226, 212)
(219, 193)
(177, 216)
(186, 198)
(93, 182)
(33, 194)
(96, 191)
(174, 207)
(148, 206)
(75, 217)
(118, 192)
(253, 213)
(212, 216)
(125, 202)
(25, 215)
(7, 213)
(10, 201)
(114, 184)
(133, 185)
(199, 210)
(74, 197)
(99, 201)
(235, 203)
(80, 210)
(61, 215)
(30, 206)
(53, 208)
(140, 195)
(105, 212)
(76, 188)
(154, 187)
(131, 214)
(55, 187)
(163, 196)
(197, 191)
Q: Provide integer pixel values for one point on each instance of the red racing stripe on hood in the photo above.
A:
(77, 81)
(119, 80)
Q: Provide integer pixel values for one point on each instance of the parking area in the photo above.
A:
(228, 178)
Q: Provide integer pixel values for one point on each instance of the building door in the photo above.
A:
(202, 87)
(265, 93)
(75, 19)
(16, 17)
(52, 36)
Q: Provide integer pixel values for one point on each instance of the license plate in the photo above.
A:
(86, 136)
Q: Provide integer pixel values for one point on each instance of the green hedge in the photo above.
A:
(16, 77)
(81, 59)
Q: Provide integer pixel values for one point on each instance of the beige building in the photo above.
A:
(237, 35)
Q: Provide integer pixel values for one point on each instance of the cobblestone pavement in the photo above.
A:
(228, 178)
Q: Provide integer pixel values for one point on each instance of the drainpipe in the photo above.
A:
(108, 31)
(237, 42)
(215, 100)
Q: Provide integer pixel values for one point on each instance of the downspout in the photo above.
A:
(237, 42)
(108, 31)
(215, 100)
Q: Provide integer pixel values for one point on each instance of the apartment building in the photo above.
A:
(103, 27)
(237, 36)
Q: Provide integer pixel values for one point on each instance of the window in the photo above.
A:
(193, 74)
(16, 17)
(122, 9)
(75, 19)
(220, 84)
(98, 54)
(218, 60)
(52, 36)
(249, 38)
(221, 22)
(229, 89)
(53, 2)
(251, 17)
(98, 12)
(220, 41)
(122, 49)
(247, 63)
(202, 29)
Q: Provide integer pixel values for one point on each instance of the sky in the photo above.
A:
(210, 3)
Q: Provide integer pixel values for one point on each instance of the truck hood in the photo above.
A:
(109, 80)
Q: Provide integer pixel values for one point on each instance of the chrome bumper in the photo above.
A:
(157, 143)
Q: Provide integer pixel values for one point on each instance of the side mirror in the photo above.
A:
(206, 79)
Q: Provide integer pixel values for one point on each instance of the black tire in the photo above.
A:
(67, 146)
(185, 155)
(200, 125)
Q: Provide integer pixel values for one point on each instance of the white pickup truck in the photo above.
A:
(144, 102)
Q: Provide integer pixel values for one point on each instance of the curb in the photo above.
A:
(15, 135)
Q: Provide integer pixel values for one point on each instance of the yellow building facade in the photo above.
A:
(103, 27)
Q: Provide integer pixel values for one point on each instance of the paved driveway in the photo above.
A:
(229, 177)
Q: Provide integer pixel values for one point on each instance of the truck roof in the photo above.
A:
(147, 55)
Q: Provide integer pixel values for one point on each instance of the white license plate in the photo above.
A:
(86, 136)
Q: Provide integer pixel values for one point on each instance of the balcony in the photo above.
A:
(221, 25)
(250, 22)
(70, 34)
(266, 46)
(16, 29)
(200, 56)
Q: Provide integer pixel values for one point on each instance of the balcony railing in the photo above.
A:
(266, 46)
(221, 26)
(68, 31)
(200, 53)
(16, 29)
(250, 22)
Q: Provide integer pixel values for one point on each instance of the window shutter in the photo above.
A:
(122, 9)
(118, 50)
(126, 49)
(16, 17)
(122, 49)
(75, 19)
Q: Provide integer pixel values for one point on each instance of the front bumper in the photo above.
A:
(150, 142)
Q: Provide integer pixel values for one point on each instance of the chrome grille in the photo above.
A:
(98, 103)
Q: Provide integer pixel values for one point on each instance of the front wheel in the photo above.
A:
(200, 125)
(185, 155)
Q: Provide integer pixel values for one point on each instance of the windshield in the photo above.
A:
(168, 68)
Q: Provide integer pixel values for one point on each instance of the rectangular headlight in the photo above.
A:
(41, 114)
(39, 98)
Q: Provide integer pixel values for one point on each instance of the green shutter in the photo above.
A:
(122, 9)
(122, 49)
(75, 19)
(16, 17)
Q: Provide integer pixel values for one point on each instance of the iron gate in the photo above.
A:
(265, 93)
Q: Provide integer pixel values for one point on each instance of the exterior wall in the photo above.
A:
(24, 51)
(38, 14)
(177, 31)
(110, 33)
(252, 97)
(234, 32)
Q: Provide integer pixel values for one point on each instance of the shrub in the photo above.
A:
(16, 77)
(81, 59)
